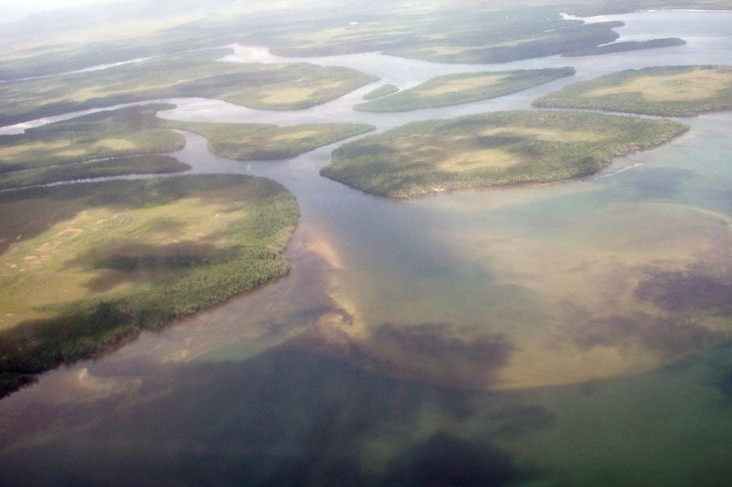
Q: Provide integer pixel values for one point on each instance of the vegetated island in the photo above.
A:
(86, 266)
(198, 74)
(626, 46)
(492, 149)
(492, 32)
(254, 141)
(464, 88)
(129, 141)
(383, 90)
(681, 91)
(109, 143)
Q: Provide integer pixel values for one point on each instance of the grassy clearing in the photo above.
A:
(464, 88)
(117, 142)
(668, 90)
(113, 133)
(493, 149)
(86, 266)
(247, 142)
(262, 86)
(493, 32)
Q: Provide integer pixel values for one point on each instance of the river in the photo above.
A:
(494, 336)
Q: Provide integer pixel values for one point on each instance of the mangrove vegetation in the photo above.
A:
(255, 141)
(464, 88)
(89, 266)
(679, 91)
(492, 149)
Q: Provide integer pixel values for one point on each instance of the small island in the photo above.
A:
(256, 141)
(197, 74)
(625, 46)
(464, 88)
(677, 91)
(381, 91)
(91, 265)
(108, 143)
(492, 149)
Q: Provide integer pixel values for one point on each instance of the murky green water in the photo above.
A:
(572, 334)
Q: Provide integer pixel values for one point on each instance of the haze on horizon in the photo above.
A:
(13, 10)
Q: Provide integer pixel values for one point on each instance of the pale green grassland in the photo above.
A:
(492, 149)
(251, 141)
(262, 86)
(464, 88)
(89, 265)
(108, 143)
(666, 90)
(105, 134)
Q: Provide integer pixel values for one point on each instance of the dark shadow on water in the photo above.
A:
(287, 417)
(444, 460)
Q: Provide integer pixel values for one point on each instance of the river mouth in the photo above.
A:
(541, 327)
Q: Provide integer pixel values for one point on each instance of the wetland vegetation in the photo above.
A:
(118, 166)
(492, 149)
(261, 86)
(91, 265)
(680, 91)
(106, 134)
(625, 46)
(383, 90)
(464, 88)
(103, 144)
(255, 141)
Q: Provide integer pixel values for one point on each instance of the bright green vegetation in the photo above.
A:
(252, 141)
(464, 88)
(262, 86)
(383, 90)
(87, 266)
(626, 46)
(667, 90)
(119, 166)
(492, 149)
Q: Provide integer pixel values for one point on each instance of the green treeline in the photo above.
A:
(126, 131)
(254, 141)
(492, 149)
(497, 83)
(626, 46)
(383, 90)
(262, 86)
(104, 144)
(119, 166)
(192, 282)
(676, 91)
